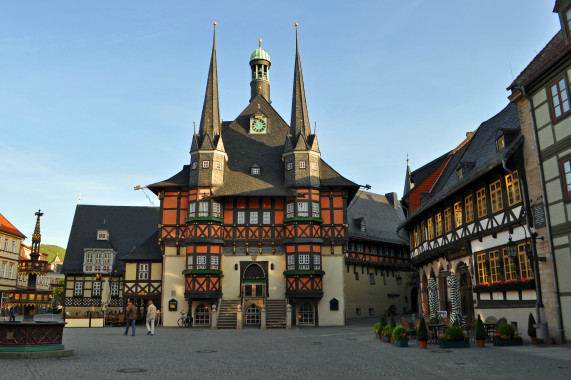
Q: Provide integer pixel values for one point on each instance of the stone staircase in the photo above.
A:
(276, 314)
(227, 314)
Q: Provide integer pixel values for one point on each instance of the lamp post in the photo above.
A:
(532, 255)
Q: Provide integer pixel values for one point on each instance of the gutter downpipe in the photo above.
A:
(560, 331)
(539, 309)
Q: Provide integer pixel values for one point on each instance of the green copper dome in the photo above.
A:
(260, 53)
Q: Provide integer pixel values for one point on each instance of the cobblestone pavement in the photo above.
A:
(350, 352)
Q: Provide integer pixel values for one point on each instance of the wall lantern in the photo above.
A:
(511, 248)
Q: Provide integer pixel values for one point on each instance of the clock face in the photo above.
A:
(258, 125)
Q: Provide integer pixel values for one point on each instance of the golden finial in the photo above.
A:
(296, 24)
(260, 41)
(214, 23)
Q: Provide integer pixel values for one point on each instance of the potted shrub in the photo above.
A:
(481, 333)
(506, 336)
(377, 329)
(422, 334)
(383, 321)
(531, 329)
(453, 338)
(392, 323)
(400, 337)
(387, 334)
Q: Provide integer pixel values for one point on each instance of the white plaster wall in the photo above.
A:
(333, 287)
(173, 280)
(518, 315)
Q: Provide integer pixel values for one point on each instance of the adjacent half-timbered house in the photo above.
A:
(466, 217)
(258, 220)
(541, 92)
(378, 273)
(143, 275)
(100, 237)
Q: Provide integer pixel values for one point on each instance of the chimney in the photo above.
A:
(393, 199)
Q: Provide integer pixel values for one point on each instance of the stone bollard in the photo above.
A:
(239, 317)
(288, 316)
(214, 323)
(263, 318)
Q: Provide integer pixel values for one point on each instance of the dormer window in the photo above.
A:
(363, 226)
(102, 235)
(289, 166)
(459, 173)
(194, 165)
(255, 170)
(500, 143)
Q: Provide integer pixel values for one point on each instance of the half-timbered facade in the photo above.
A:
(465, 219)
(378, 274)
(541, 92)
(100, 238)
(10, 240)
(257, 220)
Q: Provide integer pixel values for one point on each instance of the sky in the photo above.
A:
(98, 97)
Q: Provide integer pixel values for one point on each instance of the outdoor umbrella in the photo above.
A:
(105, 293)
(433, 298)
(456, 315)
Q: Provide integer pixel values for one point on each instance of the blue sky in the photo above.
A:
(98, 97)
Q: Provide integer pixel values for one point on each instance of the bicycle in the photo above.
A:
(185, 320)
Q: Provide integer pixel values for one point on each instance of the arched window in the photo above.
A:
(254, 271)
(201, 316)
(253, 315)
(305, 316)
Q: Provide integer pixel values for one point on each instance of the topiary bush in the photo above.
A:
(393, 324)
(400, 333)
(481, 333)
(506, 331)
(530, 326)
(454, 334)
(422, 332)
(383, 320)
(377, 328)
(386, 331)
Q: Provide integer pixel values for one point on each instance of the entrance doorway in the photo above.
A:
(466, 293)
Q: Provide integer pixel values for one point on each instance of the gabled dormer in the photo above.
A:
(103, 232)
(563, 8)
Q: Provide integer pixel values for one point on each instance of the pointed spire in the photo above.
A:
(36, 237)
(299, 125)
(210, 119)
(408, 181)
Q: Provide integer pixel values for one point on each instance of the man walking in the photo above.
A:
(131, 314)
(151, 314)
(13, 312)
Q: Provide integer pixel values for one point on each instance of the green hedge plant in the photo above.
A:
(480, 330)
(530, 326)
(422, 332)
(506, 332)
(400, 333)
(454, 334)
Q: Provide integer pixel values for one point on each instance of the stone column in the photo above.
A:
(288, 316)
(263, 318)
(214, 323)
(239, 317)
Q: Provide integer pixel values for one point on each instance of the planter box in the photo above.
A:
(455, 344)
(387, 339)
(401, 343)
(508, 342)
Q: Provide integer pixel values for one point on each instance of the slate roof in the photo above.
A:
(246, 150)
(548, 56)
(128, 228)
(149, 250)
(7, 227)
(381, 219)
(480, 151)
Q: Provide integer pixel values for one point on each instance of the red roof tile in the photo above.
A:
(7, 227)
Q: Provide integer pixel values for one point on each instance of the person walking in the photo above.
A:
(13, 312)
(151, 315)
(131, 314)
(4, 314)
